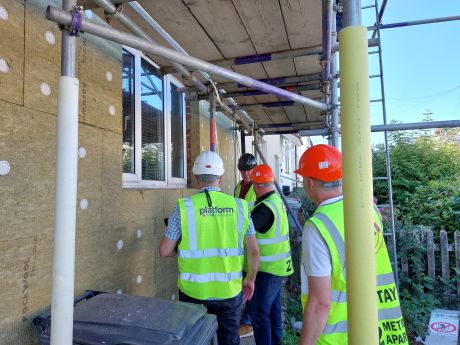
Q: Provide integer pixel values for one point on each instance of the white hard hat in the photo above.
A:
(208, 163)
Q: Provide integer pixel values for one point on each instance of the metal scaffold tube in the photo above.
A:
(62, 17)
(281, 55)
(62, 297)
(387, 152)
(334, 103)
(280, 191)
(357, 180)
(392, 127)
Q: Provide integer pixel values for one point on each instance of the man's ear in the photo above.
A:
(220, 179)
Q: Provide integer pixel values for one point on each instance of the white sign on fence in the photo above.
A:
(443, 327)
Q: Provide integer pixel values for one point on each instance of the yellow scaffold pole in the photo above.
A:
(357, 179)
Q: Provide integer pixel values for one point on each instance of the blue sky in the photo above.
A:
(421, 64)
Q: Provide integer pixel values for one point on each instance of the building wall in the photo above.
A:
(118, 233)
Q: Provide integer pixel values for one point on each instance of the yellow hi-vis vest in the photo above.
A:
(250, 195)
(329, 221)
(211, 250)
(274, 247)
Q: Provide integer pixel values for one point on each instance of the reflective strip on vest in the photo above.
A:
(335, 234)
(191, 223)
(272, 240)
(338, 296)
(339, 327)
(208, 277)
(221, 252)
(275, 257)
(390, 313)
(240, 221)
(385, 279)
(212, 252)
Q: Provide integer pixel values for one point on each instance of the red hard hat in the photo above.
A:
(321, 162)
(262, 174)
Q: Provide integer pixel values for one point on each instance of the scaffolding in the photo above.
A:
(353, 33)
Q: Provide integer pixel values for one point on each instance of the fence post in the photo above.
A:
(430, 255)
(404, 263)
(457, 260)
(444, 246)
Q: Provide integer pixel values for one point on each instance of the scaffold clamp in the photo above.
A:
(77, 15)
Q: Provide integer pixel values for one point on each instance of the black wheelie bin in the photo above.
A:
(102, 318)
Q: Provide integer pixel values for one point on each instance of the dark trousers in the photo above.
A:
(265, 309)
(228, 312)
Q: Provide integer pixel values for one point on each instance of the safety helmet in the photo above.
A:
(321, 162)
(262, 174)
(247, 162)
(208, 163)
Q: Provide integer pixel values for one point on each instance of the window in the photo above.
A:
(153, 151)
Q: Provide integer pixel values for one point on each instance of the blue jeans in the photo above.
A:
(265, 309)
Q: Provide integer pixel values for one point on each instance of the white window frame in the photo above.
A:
(131, 180)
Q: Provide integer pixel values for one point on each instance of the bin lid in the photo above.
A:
(123, 319)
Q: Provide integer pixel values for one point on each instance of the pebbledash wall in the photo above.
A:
(118, 229)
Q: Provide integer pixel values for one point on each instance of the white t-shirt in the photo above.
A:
(317, 260)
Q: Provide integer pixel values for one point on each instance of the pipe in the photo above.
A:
(243, 142)
(280, 191)
(380, 16)
(357, 180)
(415, 22)
(212, 122)
(275, 81)
(280, 55)
(327, 40)
(57, 15)
(243, 93)
(110, 8)
(172, 42)
(392, 127)
(334, 103)
(351, 13)
(65, 208)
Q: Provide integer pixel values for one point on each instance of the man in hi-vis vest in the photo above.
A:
(272, 233)
(244, 189)
(323, 272)
(212, 230)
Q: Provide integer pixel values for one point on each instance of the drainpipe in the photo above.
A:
(66, 193)
(334, 102)
(357, 179)
(212, 122)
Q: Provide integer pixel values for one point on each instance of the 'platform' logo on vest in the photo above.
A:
(215, 211)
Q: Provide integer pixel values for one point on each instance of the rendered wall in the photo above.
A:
(118, 233)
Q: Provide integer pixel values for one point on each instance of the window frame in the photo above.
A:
(134, 180)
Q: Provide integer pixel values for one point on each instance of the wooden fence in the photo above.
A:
(447, 270)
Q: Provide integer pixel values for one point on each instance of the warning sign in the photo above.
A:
(444, 322)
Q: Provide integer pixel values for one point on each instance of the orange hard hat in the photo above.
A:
(262, 174)
(321, 162)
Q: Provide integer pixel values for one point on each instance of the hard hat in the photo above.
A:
(208, 163)
(247, 162)
(321, 162)
(262, 174)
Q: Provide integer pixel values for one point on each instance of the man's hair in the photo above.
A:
(207, 178)
(329, 185)
(266, 184)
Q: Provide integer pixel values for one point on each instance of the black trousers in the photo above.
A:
(228, 312)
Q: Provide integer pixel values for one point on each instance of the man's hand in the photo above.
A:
(248, 288)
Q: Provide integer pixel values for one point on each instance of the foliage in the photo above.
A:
(418, 292)
(293, 312)
(437, 204)
(308, 207)
(416, 159)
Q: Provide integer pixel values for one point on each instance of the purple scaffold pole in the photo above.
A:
(327, 39)
(57, 15)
